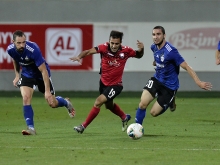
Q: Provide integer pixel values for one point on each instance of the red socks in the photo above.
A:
(117, 111)
(92, 115)
(95, 111)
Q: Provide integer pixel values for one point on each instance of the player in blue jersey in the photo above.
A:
(165, 83)
(35, 72)
(173, 103)
(217, 54)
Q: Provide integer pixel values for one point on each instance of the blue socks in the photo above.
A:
(140, 115)
(61, 101)
(28, 115)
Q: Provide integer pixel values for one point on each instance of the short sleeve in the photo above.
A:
(219, 46)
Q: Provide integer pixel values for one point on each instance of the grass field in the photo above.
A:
(188, 136)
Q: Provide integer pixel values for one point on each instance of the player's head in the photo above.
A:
(158, 35)
(115, 40)
(19, 40)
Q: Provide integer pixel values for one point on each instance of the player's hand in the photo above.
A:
(140, 45)
(15, 81)
(48, 97)
(76, 59)
(205, 85)
(217, 61)
(217, 58)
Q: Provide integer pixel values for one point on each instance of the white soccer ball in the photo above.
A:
(135, 131)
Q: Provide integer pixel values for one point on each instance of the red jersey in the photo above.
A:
(112, 64)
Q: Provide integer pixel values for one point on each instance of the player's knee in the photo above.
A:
(98, 104)
(142, 105)
(153, 113)
(26, 100)
(53, 105)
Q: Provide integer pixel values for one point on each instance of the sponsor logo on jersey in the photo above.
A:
(114, 63)
(160, 65)
(25, 64)
(26, 58)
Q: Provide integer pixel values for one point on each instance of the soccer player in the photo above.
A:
(35, 72)
(113, 60)
(165, 83)
(172, 105)
(217, 54)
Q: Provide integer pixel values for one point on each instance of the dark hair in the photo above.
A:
(18, 33)
(116, 34)
(161, 28)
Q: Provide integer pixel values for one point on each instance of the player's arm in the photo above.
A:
(45, 76)
(84, 54)
(140, 51)
(217, 57)
(192, 73)
(17, 72)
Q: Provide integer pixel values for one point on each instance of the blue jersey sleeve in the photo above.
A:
(176, 57)
(37, 56)
(219, 46)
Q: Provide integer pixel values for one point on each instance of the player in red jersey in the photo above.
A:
(113, 60)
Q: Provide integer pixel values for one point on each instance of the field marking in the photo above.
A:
(113, 148)
(209, 103)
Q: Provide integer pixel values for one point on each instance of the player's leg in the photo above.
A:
(148, 95)
(173, 104)
(164, 99)
(110, 93)
(27, 87)
(106, 94)
(156, 109)
(92, 114)
(146, 99)
(115, 108)
(58, 101)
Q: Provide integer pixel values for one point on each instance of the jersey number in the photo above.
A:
(150, 84)
(111, 93)
(19, 81)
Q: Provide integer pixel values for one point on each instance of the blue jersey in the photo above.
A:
(30, 59)
(168, 62)
(219, 46)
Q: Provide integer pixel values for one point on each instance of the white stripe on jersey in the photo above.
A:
(29, 48)
(168, 47)
(10, 46)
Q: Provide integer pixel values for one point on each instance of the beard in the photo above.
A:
(20, 50)
(158, 44)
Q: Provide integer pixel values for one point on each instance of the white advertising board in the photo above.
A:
(196, 42)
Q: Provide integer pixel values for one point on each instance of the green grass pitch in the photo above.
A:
(188, 136)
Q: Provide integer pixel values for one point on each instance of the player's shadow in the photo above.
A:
(148, 135)
(8, 132)
(210, 121)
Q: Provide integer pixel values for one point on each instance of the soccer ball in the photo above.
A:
(135, 131)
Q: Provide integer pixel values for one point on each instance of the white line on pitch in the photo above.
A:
(114, 148)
